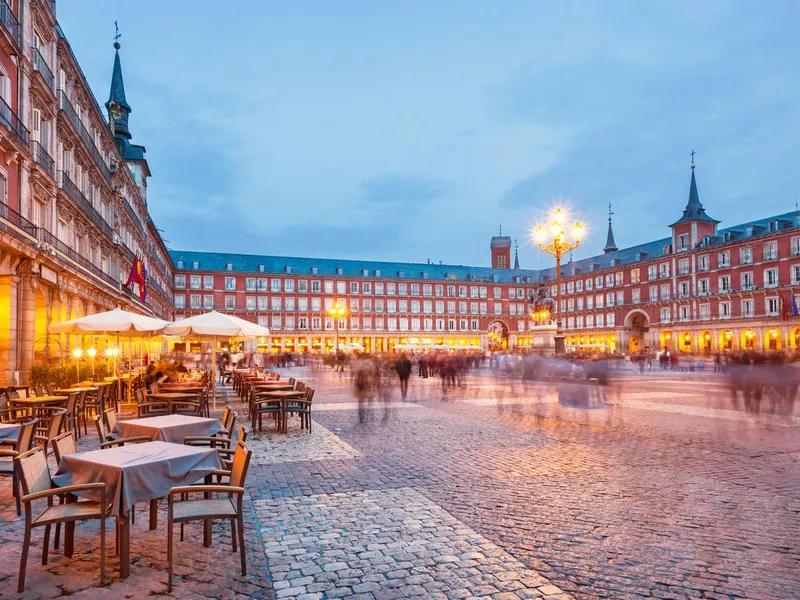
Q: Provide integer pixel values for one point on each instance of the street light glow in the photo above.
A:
(77, 353)
(91, 352)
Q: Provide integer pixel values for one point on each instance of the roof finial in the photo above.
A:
(501, 230)
(611, 245)
(610, 212)
(692, 155)
(117, 35)
(516, 254)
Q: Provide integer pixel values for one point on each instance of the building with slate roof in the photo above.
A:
(698, 290)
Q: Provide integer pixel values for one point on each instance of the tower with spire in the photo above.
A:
(694, 224)
(118, 113)
(516, 255)
(611, 245)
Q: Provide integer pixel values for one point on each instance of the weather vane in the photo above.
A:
(610, 212)
(692, 154)
(117, 34)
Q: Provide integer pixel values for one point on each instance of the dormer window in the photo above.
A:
(339, 271)
(229, 266)
(179, 264)
(377, 272)
(364, 272)
(288, 268)
(195, 264)
(260, 268)
(314, 270)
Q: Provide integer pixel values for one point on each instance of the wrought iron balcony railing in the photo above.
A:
(18, 221)
(65, 105)
(40, 65)
(10, 120)
(88, 209)
(41, 156)
(10, 22)
(48, 238)
(132, 214)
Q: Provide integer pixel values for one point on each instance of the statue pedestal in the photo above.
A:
(544, 338)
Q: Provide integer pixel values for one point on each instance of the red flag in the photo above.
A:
(137, 276)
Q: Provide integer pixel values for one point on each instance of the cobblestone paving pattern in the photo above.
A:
(665, 488)
(386, 544)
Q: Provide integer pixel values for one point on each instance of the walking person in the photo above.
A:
(403, 367)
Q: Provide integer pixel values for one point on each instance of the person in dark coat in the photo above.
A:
(403, 367)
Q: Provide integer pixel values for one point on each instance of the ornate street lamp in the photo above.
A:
(540, 316)
(553, 240)
(337, 312)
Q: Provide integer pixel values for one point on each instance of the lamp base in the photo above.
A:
(558, 340)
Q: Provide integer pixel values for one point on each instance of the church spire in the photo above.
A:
(516, 255)
(694, 210)
(611, 246)
(117, 105)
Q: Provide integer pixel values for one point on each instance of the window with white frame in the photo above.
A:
(653, 293)
(250, 284)
(354, 303)
(367, 323)
(665, 292)
(180, 281)
(705, 312)
(610, 299)
(634, 275)
(302, 323)
(663, 270)
(747, 308)
(771, 278)
(208, 282)
(302, 286)
(748, 283)
(316, 304)
(276, 322)
(589, 321)
(683, 289)
(724, 259)
(230, 302)
(610, 320)
(772, 307)
(289, 302)
(665, 314)
(724, 283)
(366, 287)
(795, 272)
(367, 305)
(353, 287)
(341, 287)
(262, 303)
(250, 303)
(610, 280)
(683, 266)
(683, 242)
(208, 302)
(275, 302)
(589, 302)
(620, 298)
(230, 283)
(180, 301)
(651, 272)
(588, 283)
(724, 310)
(703, 287)
(745, 255)
(770, 250)
(685, 313)
(619, 278)
(288, 285)
(703, 262)
(316, 323)
(302, 303)
(379, 324)
(316, 286)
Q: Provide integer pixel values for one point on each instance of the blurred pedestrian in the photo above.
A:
(403, 367)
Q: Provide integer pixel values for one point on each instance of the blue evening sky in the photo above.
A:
(408, 130)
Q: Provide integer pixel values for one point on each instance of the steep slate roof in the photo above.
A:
(610, 244)
(694, 210)
(248, 263)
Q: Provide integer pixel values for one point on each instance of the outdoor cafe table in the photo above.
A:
(275, 386)
(169, 428)
(72, 390)
(32, 404)
(181, 387)
(9, 432)
(135, 473)
(281, 395)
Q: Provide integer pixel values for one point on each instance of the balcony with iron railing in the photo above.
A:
(41, 156)
(11, 122)
(10, 22)
(19, 224)
(65, 105)
(132, 214)
(87, 208)
(40, 65)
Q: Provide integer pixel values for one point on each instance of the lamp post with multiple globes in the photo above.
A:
(337, 312)
(553, 239)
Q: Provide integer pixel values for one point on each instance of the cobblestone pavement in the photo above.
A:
(664, 488)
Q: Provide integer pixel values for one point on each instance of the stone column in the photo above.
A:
(27, 325)
(8, 326)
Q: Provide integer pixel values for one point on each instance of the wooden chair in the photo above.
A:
(146, 407)
(71, 418)
(51, 389)
(106, 441)
(210, 508)
(187, 407)
(39, 390)
(36, 485)
(63, 444)
(228, 421)
(221, 444)
(93, 404)
(299, 406)
(262, 405)
(110, 421)
(52, 428)
(25, 441)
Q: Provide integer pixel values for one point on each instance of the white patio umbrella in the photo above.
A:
(117, 322)
(213, 325)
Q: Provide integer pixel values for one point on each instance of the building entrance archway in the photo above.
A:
(497, 335)
(637, 323)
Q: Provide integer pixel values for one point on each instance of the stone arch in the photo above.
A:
(497, 334)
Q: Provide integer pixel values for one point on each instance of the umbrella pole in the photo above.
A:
(116, 369)
(214, 372)
(130, 367)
